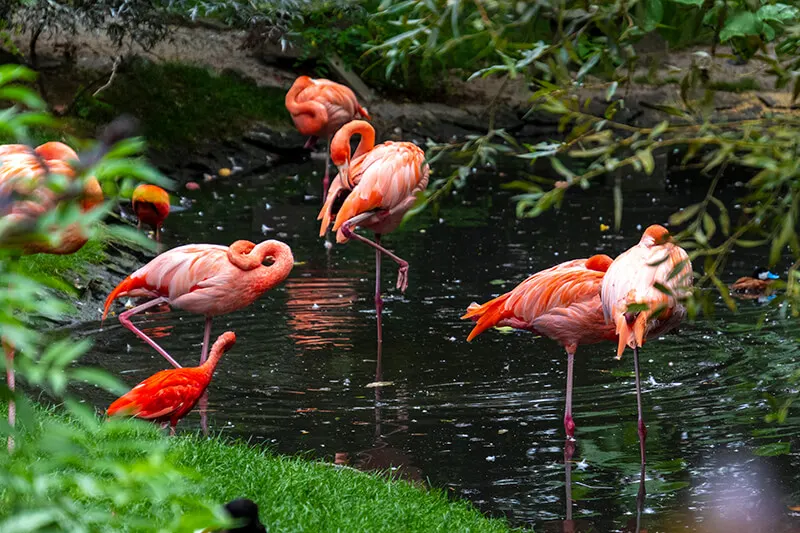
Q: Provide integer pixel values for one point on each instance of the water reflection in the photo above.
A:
(321, 311)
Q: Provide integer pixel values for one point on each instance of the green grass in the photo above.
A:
(293, 494)
(182, 104)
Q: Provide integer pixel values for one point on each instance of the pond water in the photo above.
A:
(483, 420)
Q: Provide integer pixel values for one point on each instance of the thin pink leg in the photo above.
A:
(569, 450)
(11, 381)
(124, 318)
(204, 398)
(569, 424)
(402, 274)
(642, 427)
(326, 180)
(378, 299)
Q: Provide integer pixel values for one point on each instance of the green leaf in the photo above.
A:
(741, 24)
(771, 450)
(559, 167)
(653, 13)
(589, 65)
(27, 521)
(681, 217)
(101, 379)
(646, 157)
(778, 12)
(689, 2)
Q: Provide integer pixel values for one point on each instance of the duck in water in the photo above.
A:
(755, 286)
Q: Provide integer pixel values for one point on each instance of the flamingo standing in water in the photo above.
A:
(374, 189)
(206, 279)
(151, 205)
(170, 395)
(319, 107)
(640, 296)
(22, 170)
(562, 303)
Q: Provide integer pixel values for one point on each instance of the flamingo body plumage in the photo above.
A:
(561, 303)
(319, 107)
(169, 395)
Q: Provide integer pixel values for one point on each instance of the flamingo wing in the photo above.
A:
(162, 395)
(382, 179)
(176, 273)
(541, 301)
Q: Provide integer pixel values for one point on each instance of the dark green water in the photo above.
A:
(483, 420)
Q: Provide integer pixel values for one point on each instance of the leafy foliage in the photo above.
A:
(579, 56)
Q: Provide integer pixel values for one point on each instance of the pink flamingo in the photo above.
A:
(319, 107)
(206, 279)
(650, 277)
(561, 303)
(375, 188)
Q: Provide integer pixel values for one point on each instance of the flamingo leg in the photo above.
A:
(124, 318)
(378, 299)
(11, 381)
(569, 423)
(642, 427)
(402, 274)
(204, 398)
(326, 181)
(569, 450)
(640, 497)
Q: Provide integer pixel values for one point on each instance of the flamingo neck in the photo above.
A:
(248, 256)
(340, 146)
(223, 343)
(309, 116)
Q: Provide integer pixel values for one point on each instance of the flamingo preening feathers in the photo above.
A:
(205, 279)
(319, 107)
(22, 171)
(171, 394)
(151, 205)
(641, 296)
(561, 303)
(374, 188)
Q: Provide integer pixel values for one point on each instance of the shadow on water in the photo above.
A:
(483, 420)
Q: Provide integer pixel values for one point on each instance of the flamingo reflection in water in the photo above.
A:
(320, 311)
(382, 457)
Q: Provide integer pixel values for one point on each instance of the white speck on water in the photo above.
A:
(267, 206)
(491, 458)
(220, 228)
(315, 307)
(638, 227)
(265, 229)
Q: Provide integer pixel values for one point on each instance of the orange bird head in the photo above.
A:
(655, 234)
(151, 204)
(599, 263)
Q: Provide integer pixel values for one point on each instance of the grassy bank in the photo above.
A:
(180, 105)
(293, 494)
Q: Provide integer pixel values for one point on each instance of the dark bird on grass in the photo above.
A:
(245, 512)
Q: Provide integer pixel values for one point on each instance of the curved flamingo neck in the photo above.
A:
(223, 343)
(309, 116)
(248, 256)
(340, 146)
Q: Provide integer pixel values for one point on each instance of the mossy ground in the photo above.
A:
(180, 105)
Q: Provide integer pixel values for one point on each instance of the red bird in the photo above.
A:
(151, 205)
(170, 395)
(641, 293)
(561, 303)
(21, 172)
(375, 188)
(319, 108)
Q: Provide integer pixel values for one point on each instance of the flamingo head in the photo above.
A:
(599, 263)
(655, 235)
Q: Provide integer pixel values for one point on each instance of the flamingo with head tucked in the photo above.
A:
(641, 297)
(171, 394)
(22, 171)
(319, 107)
(375, 187)
(206, 279)
(561, 303)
